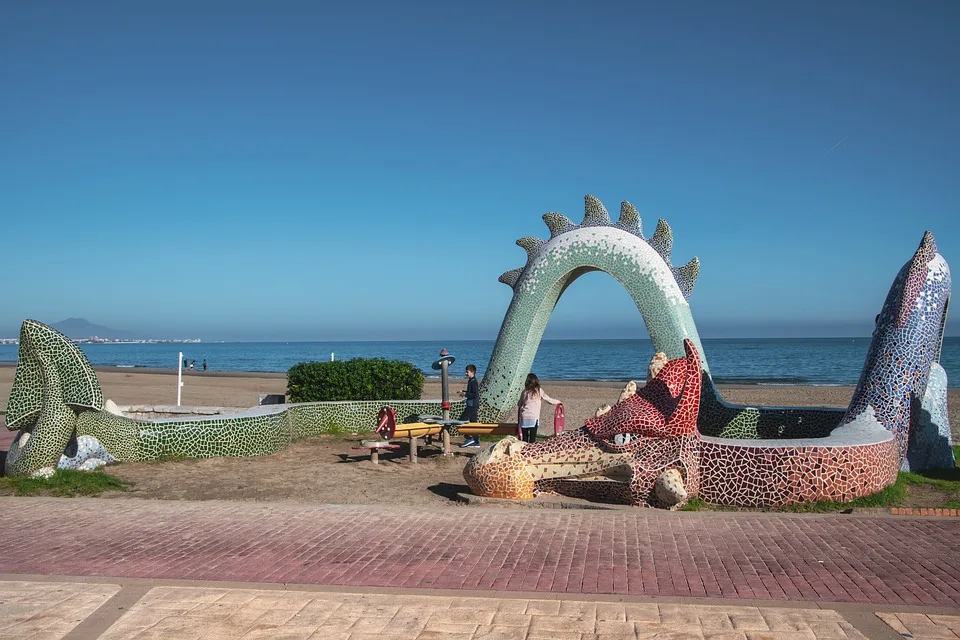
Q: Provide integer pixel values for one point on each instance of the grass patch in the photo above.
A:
(697, 504)
(65, 483)
(334, 428)
(889, 497)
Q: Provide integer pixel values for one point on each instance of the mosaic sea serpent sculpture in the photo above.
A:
(748, 455)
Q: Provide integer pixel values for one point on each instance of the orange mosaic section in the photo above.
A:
(498, 472)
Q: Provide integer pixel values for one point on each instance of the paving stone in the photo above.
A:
(698, 553)
(510, 605)
(541, 624)
(743, 622)
(575, 609)
(370, 625)
(273, 632)
(681, 614)
(443, 635)
(642, 612)
(554, 635)
(715, 621)
(543, 607)
(482, 604)
(405, 622)
(609, 611)
(498, 632)
(462, 616)
(337, 623)
(682, 633)
(48, 609)
(834, 631)
(919, 625)
(611, 627)
(780, 635)
(449, 627)
(511, 619)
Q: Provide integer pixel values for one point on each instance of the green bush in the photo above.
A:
(357, 379)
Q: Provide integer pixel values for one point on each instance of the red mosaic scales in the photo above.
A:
(617, 457)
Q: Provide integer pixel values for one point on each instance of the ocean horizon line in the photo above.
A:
(440, 341)
(433, 376)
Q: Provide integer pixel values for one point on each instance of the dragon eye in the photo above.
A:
(622, 438)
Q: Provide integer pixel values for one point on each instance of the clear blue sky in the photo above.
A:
(321, 170)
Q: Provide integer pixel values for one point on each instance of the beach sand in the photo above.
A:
(580, 398)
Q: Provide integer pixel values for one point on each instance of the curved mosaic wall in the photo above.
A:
(56, 401)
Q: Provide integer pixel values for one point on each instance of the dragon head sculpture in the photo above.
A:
(643, 451)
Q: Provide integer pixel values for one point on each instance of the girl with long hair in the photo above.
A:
(528, 413)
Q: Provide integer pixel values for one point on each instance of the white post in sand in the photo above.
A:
(179, 375)
(331, 356)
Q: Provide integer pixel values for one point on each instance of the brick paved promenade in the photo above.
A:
(878, 560)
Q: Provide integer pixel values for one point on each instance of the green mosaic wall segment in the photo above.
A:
(722, 419)
(56, 396)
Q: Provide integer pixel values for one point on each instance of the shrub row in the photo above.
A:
(357, 379)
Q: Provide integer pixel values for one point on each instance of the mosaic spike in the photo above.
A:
(662, 240)
(558, 224)
(510, 277)
(630, 219)
(594, 213)
(687, 276)
(531, 245)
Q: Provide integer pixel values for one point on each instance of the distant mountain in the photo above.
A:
(78, 328)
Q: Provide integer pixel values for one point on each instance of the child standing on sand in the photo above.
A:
(529, 407)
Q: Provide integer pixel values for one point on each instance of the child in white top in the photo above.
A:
(529, 408)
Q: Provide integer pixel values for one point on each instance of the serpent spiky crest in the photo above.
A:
(595, 215)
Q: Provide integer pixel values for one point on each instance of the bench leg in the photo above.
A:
(413, 450)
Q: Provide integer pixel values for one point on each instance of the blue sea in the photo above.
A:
(817, 361)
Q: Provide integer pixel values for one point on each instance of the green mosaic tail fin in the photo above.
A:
(44, 352)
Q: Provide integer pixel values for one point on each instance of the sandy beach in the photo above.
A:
(580, 398)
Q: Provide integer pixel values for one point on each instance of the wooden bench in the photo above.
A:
(482, 429)
(374, 447)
